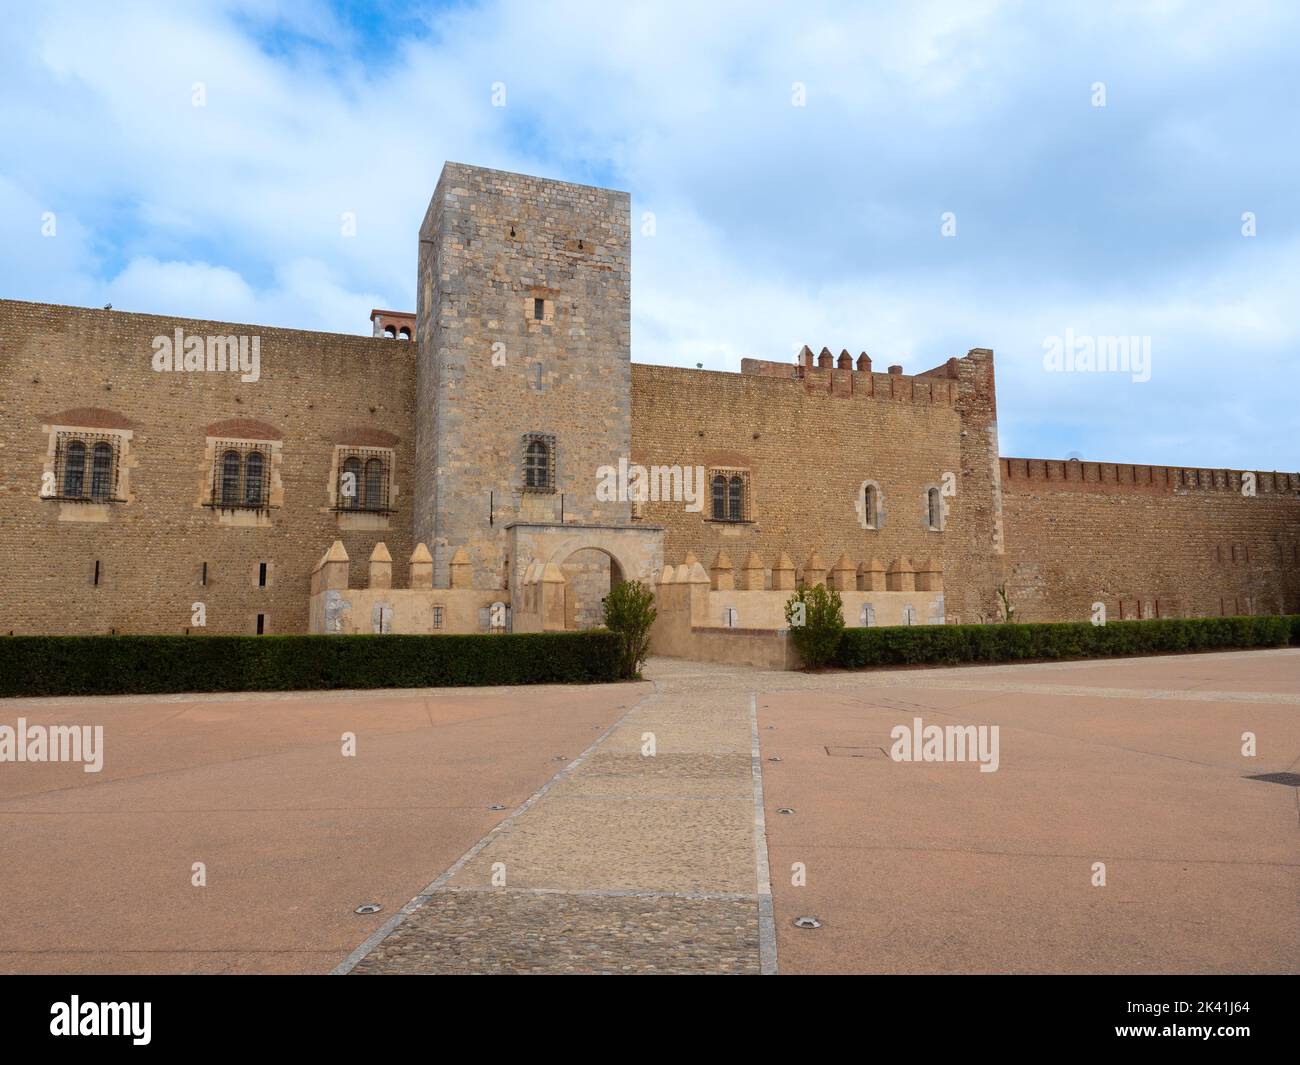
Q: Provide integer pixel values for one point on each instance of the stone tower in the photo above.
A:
(524, 377)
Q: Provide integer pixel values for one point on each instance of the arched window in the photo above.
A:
(537, 465)
(736, 499)
(230, 478)
(350, 487)
(74, 470)
(719, 498)
(375, 485)
(935, 508)
(253, 474)
(405, 332)
(390, 332)
(101, 471)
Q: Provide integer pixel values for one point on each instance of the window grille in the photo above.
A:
(367, 489)
(86, 467)
(730, 495)
(241, 476)
(539, 462)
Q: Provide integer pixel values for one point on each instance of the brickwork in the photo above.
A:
(810, 442)
(522, 338)
(1148, 541)
(313, 388)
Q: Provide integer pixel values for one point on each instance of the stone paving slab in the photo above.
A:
(666, 776)
(679, 823)
(468, 932)
(624, 844)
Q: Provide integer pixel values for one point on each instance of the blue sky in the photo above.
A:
(775, 225)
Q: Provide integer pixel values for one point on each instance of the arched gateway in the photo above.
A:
(560, 572)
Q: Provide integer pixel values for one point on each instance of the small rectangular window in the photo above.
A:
(261, 624)
(539, 462)
(437, 617)
(261, 575)
(96, 573)
(539, 309)
(203, 577)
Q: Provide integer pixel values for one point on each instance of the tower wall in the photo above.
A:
(523, 323)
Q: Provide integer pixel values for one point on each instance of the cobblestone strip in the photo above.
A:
(647, 856)
(375, 938)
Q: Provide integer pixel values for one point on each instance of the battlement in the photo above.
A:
(1074, 475)
(845, 376)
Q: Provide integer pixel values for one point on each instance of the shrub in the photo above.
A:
(1012, 641)
(818, 638)
(629, 613)
(112, 665)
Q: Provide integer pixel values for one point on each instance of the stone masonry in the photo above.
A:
(522, 337)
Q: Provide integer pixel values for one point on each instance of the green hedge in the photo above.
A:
(115, 665)
(913, 644)
(1295, 627)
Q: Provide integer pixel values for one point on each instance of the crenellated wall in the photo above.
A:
(523, 341)
(809, 438)
(1149, 541)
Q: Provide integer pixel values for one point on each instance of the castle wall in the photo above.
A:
(1148, 541)
(809, 442)
(492, 245)
(523, 328)
(91, 365)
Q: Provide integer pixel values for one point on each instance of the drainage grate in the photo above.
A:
(368, 908)
(1291, 780)
(854, 752)
(807, 922)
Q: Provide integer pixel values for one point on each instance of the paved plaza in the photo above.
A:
(680, 824)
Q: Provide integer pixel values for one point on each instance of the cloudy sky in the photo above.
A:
(802, 162)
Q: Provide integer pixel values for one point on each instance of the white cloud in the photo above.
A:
(777, 225)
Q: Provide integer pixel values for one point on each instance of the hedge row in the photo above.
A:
(119, 665)
(909, 645)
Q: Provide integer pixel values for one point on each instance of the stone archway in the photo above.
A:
(590, 574)
(542, 557)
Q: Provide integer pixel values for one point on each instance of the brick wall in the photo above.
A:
(1148, 540)
(810, 441)
(313, 387)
